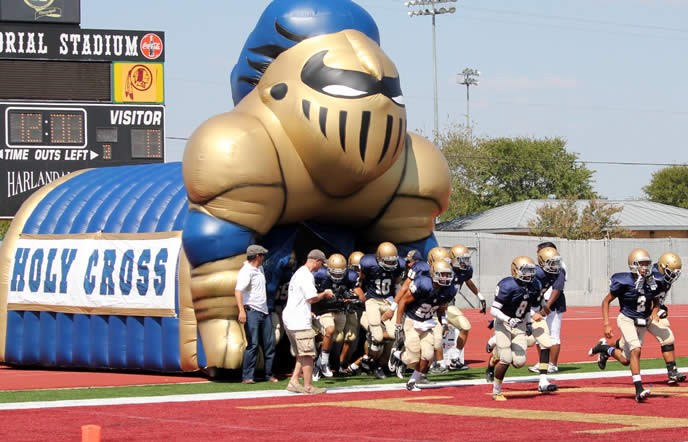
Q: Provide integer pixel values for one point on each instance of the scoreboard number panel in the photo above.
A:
(43, 141)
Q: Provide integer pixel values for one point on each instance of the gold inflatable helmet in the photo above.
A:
(387, 256)
(549, 259)
(639, 262)
(438, 254)
(523, 268)
(669, 265)
(355, 260)
(338, 98)
(442, 272)
(460, 256)
(336, 267)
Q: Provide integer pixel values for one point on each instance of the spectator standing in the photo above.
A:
(298, 324)
(251, 296)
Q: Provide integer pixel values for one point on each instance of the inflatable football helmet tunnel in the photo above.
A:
(93, 274)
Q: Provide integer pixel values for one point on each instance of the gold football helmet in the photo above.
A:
(639, 262)
(523, 268)
(549, 260)
(387, 256)
(460, 256)
(336, 267)
(438, 254)
(355, 260)
(442, 272)
(669, 265)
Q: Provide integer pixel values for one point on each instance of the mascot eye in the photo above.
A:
(339, 90)
(399, 99)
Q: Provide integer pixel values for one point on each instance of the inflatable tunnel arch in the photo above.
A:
(111, 237)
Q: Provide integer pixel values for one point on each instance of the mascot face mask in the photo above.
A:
(339, 101)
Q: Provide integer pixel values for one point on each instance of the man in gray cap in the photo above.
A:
(251, 296)
(297, 321)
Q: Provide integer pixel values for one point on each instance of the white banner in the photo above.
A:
(96, 274)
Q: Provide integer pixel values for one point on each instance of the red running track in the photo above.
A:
(582, 327)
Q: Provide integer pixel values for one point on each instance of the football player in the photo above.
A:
(511, 309)
(460, 257)
(355, 261)
(666, 271)
(419, 310)
(332, 314)
(636, 291)
(277, 289)
(551, 277)
(415, 266)
(380, 274)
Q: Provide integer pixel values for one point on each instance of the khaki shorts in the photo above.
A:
(456, 318)
(302, 342)
(418, 344)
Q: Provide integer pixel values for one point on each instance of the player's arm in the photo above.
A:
(608, 333)
(481, 299)
(389, 314)
(358, 290)
(405, 299)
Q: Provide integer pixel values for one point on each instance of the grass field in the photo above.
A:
(224, 387)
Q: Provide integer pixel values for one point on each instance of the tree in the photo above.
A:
(4, 225)
(488, 173)
(564, 220)
(669, 186)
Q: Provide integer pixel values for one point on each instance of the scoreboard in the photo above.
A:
(73, 98)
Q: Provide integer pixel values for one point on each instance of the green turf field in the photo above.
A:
(234, 386)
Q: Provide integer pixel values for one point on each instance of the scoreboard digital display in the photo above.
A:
(73, 98)
(43, 141)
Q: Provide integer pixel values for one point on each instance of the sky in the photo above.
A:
(608, 76)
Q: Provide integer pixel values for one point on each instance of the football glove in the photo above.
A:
(513, 322)
(663, 312)
(483, 303)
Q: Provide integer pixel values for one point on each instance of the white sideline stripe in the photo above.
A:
(284, 393)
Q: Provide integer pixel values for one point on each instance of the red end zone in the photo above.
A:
(590, 410)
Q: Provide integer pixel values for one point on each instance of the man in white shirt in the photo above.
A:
(297, 321)
(251, 297)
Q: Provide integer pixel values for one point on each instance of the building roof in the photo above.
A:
(514, 217)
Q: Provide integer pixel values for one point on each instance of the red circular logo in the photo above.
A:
(151, 46)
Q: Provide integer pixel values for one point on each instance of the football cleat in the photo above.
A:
(552, 369)
(547, 388)
(489, 374)
(600, 347)
(393, 361)
(436, 368)
(411, 386)
(379, 373)
(316, 371)
(325, 371)
(488, 347)
(602, 360)
(675, 377)
(424, 382)
(401, 370)
(642, 395)
(498, 397)
(345, 371)
(534, 368)
(454, 364)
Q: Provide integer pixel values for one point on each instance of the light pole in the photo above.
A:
(468, 77)
(429, 7)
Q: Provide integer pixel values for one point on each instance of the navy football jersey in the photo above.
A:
(514, 298)
(462, 275)
(556, 281)
(418, 268)
(278, 284)
(342, 290)
(377, 282)
(427, 299)
(663, 287)
(635, 296)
